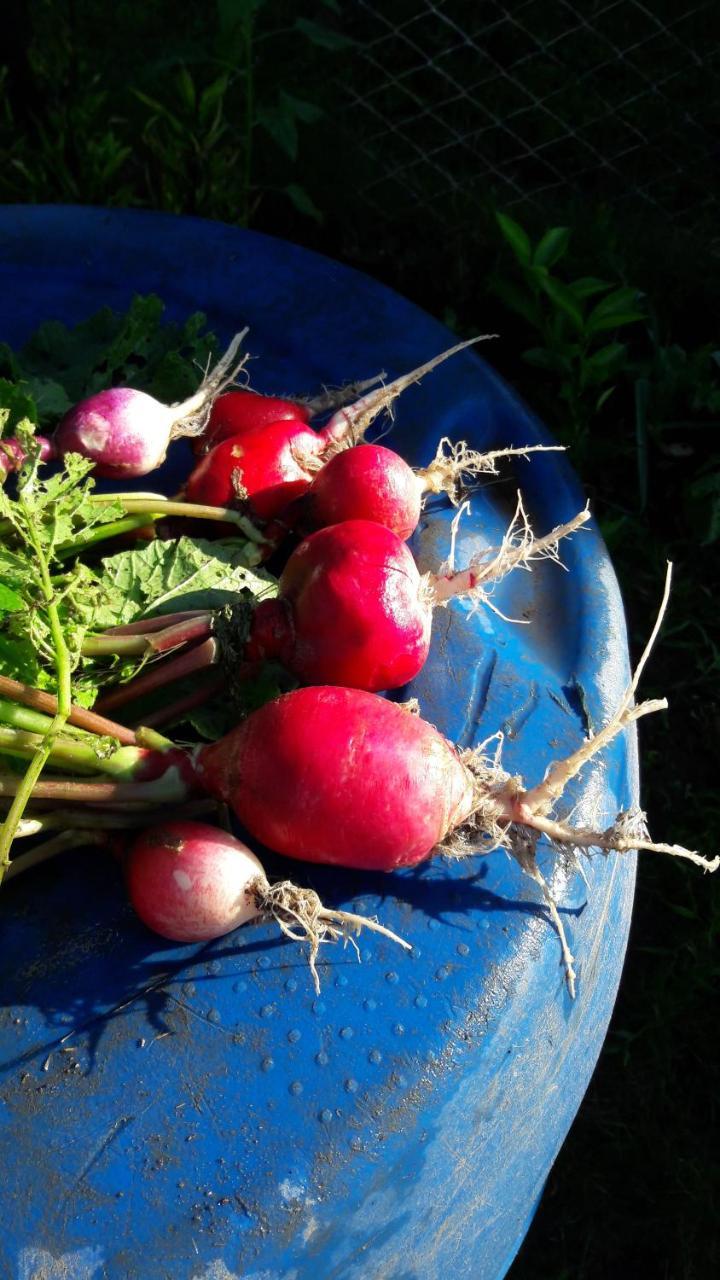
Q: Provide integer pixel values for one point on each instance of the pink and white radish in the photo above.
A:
(191, 882)
(13, 454)
(127, 432)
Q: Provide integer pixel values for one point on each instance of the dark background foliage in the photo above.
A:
(392, 137)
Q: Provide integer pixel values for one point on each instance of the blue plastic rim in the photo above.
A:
(196, 1113)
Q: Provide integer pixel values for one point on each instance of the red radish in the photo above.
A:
(127, 432)
(267, 467)
(236, 412)
(374, 483)
(352, 609)
(271, 467)
(341, 776)
(191, 882)
(367, 483)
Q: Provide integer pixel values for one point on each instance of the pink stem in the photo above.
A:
(174, 710)
(79, 716)
(197, 659)
(102, 792)
(144, 626)
(181, 633)
(499, 561)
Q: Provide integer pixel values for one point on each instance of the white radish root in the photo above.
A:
(302, 917)
(514, 818)
(456, 466)
(191, 415)
(518, 549)
(348, 426)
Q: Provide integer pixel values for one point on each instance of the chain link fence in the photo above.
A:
(538, 102)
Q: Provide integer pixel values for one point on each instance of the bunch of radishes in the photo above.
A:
(307, 775)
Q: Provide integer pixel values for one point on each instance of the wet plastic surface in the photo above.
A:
(195, 1113)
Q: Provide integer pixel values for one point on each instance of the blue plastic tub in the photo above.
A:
(195, 1113)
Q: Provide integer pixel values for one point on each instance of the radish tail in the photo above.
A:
(348, 426)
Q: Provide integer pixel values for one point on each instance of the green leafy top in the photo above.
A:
(60, 365)
(45, 514)
(165, 577)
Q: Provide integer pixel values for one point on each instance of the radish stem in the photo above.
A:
(51, 848)
(146, 625)
(176, 710)
(157, 506)
(112, 529)
(79, 716)
(165, 790)
(196, 659)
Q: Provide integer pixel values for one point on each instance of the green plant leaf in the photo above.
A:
(308, 112)
(615, 310)
(642, 398)
(211, 97)
(163, 577)
(303, 202)
(518, 239)
(564, 299)
(186, 85)
(279, 122)
(604, 363)
(552, 247)
(589, 286)
(542, 358)
(10, 601)
(16, 404)
(703, 506)
(604, 395)
(322, 36)
(617, 321)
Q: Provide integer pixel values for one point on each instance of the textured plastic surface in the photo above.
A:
(195, 1113)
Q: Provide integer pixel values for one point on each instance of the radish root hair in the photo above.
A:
(301, 916)
(336, 397)
(454, 465)
(519, 549)
(349, 425)
(509, 817)
(193, 413)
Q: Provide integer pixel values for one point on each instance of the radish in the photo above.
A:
(236, 412)
(13, 455)
(342, 776)
(352, 609)
(269, 467)
(127, 432)
(191, 882)
(374, 483)
(266, 467)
